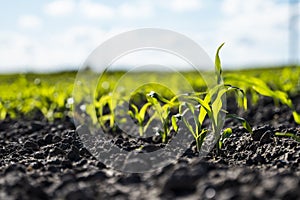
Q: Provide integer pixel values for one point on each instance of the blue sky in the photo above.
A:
(60, 34)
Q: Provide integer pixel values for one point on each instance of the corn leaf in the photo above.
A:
(244, 122)
(296, 117)
(174, 123)
(143, 110)
(189, 126)
(218, 67)
(291, 135)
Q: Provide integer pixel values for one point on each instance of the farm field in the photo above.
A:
(257, 155)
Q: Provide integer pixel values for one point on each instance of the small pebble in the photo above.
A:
(39, 155)
(73, 155)
(56, 139)
(56, 151)
(31, 145)
(48, 138)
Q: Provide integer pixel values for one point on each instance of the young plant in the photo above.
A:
(212, 107)
(139, 116)
(198, 132)
(164, 114)
(226, 134)
(105, 112)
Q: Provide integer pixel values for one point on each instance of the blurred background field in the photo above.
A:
(51, 94)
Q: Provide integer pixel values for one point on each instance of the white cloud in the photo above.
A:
(95, 10)
(256, 32)
(185, 5)
(15, 49)
(130, 10)
(59, 7)
(50, 52)
(140, 10)
(255, 15)
(29, 22)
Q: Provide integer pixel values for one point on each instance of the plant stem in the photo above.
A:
(141, 130)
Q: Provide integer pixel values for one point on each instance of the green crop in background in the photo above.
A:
(25, 94)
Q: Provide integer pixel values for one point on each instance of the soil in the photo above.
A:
(47, 160)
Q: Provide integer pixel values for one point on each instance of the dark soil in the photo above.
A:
(43, 160)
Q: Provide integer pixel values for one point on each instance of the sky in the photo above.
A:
(57, 35)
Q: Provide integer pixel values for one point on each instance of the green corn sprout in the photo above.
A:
(212, 106)
(139, 115)
(163, 112)
(226, 134)
(105, 107)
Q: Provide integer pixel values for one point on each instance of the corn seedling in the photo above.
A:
(164, 113)
(105, 112)
(212, 107)
(226, 134)
(139, 116)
